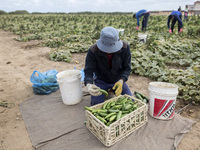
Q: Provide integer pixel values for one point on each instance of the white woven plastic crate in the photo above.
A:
(119, 129)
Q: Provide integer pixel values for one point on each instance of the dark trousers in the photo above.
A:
(105, 86)
(186, 16)
(173, 23)
(144, 21)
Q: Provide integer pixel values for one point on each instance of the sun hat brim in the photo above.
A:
(109, 48)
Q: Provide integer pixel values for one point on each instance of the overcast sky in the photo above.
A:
(91, 5)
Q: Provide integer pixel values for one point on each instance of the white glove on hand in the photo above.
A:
(93, 89)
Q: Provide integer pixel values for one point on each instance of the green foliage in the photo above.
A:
(60, 55)
(173, 58)
(19, 12)
(2, 12)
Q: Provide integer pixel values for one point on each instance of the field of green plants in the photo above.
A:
(173, 58)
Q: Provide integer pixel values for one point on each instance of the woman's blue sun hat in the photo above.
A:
(109, 41)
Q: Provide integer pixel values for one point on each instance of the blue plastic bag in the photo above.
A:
(44, 83)
(83, 75)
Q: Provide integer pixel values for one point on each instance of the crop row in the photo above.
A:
(173, 58)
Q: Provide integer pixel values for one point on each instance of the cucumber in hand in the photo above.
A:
(104, 92)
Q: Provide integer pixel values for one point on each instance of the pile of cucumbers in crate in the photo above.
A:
(112, 111)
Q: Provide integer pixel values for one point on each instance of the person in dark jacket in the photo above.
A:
(139, 14)
(110, 60)
(175, 16)
(179, 9)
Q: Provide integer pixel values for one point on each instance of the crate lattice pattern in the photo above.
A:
(121, 128)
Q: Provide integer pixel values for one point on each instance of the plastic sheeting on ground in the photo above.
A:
(52, 125)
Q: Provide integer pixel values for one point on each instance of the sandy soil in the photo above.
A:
(18, 60)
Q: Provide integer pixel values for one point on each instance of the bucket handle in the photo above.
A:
(70, 81)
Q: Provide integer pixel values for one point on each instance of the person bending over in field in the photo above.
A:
(174, 17)
(139, 14)
(110, 59)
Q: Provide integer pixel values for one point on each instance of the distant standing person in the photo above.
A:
(175, 16)
(186, 13)
(139, 14)
(179, 9)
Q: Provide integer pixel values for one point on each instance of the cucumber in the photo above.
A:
(101, 119)
(120, 99)
(135, 106)
(108, 105)
(109, 115)
(128, 106)
(109, 123)
(99, 110)
(103, 110)
(104, 92)
(142, 95)
(113, 110)
(130, 102)
(88, 108)
(144, 100)
(118, 106)
(119, 115)
(124, 100)
(105, 105)
(112, 104)
(112, 118)
(103, 114)
(95, 110)
(138, 96)
(124, 115)
(123, 106)
(125, 112)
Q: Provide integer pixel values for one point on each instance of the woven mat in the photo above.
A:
(52, 125)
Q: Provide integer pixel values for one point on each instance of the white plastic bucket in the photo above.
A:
(142, 37)
(70, 86)
(162, 101)
(121, 31)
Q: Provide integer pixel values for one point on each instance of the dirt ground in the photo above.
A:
(18, 60)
